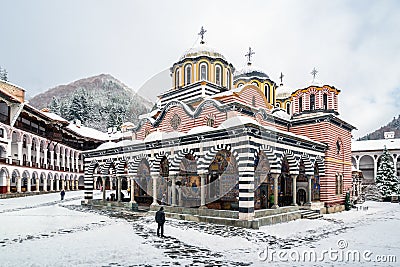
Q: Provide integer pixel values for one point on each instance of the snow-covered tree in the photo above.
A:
(386, 179)
(3, 74)
(55, 105)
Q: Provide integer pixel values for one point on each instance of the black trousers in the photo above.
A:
(160, 226)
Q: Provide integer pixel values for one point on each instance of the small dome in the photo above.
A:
(315, 82)
(237, 120)
(202, 50)
(283, 92)
(201, 129)
(280, 113)
(249, 72)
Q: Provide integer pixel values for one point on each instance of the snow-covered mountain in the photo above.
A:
(99, 102)
(393, 126)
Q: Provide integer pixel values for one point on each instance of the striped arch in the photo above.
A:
(88, 180)
(107, 166)
(90, 170)
(120, 166)
(307, 164)
(133, 165)
(157, 162)
(176, 161)
(274, 161)
(205, 162)
(293, 165)
(321, 165)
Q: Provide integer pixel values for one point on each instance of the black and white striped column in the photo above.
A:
(246, 185)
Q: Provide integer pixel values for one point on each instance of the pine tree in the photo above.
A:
(3, 74)
(386, 179)
(55, 106)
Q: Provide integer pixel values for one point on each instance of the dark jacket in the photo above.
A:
(160, 216)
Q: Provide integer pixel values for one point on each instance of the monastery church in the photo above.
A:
(233, 142)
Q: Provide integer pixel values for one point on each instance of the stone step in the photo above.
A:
(310, 214)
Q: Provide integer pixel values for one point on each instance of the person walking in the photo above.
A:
(62, 193)
(160, 220)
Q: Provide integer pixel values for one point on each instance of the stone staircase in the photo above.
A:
(310, 214)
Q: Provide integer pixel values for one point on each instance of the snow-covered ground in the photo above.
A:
(44, 231)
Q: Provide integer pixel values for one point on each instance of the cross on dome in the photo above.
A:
(248, 55)
(281, 77)
(201, 33)
(314, 73)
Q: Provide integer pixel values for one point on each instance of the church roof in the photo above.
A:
(249, 72)
(202, 50)
(370, 145)
(284, 92)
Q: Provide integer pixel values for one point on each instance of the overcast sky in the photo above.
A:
(355, 45)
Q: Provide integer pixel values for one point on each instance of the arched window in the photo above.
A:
(188, 74)
(300, 104)
(267, 91)
(325, 101)
(312, 102)
(218, 76)
(177, 78)
(240, 84)
(228, 79)
(255, 84)
(203, 72)
(288, 108)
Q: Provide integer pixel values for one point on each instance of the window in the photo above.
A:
(255, 84)
(177, 78)
(203, 72)
(325, 100)
(228, 79)
(288, 108)
(337, 147)
(300, 104)
(339, 184)
(240, 84)
(218, 78)
(312, 102)
(267, 91)
(1, 133)
(188, 74)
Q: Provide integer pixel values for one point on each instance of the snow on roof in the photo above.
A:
(149, 115)
(237, 120)
(53, 116)
(201, 129)
(250, 72)
(283, 92)
(202, 50)
(128, 124)
(106, 145)
(154, 136)
(226, 93)
(368, 145)
(280, 113)
(129, 142)
(90, 132)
